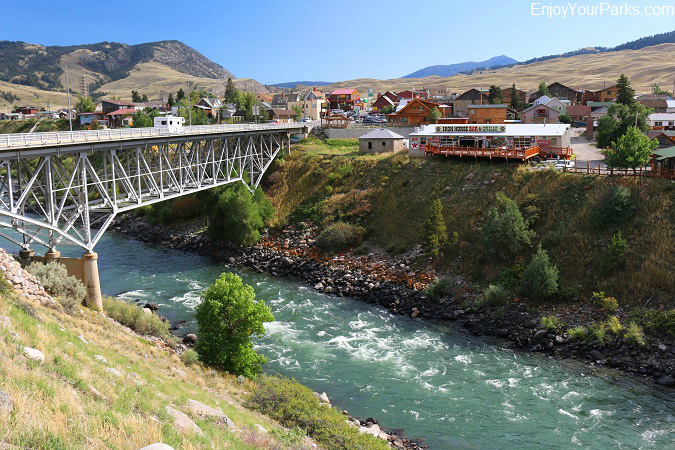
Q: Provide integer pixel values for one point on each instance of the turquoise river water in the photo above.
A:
(435, 382)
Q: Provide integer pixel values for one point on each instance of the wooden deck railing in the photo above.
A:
(504, 153)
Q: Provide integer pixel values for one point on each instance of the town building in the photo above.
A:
(262, 97)
(561, 91)
(383, 102)
(412, 94)
(438, 92)
(87, 118)
(607, 94)
(381, 141)
(314, 104)
(344, 98)
(282, 100)
(26, 110)
(598, 105)
(504, 141)
(281, 115)
(109, 105)
(460, 105)
(665, 138)
(121, 117)
(662, 121)
(660, 104)
(579, 113)
(664, 160)
(520, 95)
(539, 114)
(486, 114)
(210, 105)
(413, 114)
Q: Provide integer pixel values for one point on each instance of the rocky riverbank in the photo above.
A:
(394, 285)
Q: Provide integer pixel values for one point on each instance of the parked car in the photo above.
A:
(337, 112)
(305, 119)
(563, 164)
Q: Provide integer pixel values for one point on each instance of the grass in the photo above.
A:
(552, 324)
(71, 402)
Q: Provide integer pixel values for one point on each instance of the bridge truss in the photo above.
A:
(69, 194)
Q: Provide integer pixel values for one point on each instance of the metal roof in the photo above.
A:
(665, 153)
(662, 116)
(381, 133)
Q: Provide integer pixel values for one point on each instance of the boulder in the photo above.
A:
(595, 354)
(190, 339)
(539, 335)
(100, 359)
(34, 355)
(182, 422)
(469, 177)
(152, 306)
(666, 381)
(6, 404)
(113, 371)
(203, 410)
(323, 398)
(373, 429)
(157, 446)
(5, 323)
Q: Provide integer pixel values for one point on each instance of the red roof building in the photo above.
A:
(344, 99)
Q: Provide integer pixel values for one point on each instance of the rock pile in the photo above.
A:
(22, 281)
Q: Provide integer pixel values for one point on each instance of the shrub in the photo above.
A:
(294, 405)
(609, 304)
(635, 335)
(614, 208)
(614, 325)
(616, 252)
(439, 288)
(289, 438)
(540, 278)
(510, 276)
(339, 236)
(435, 235)
(530, 208)
(598, 331)
(505, 230)
(579, 333)
(189, 357)
(134, 317)
(227, 317)
(655, 321)
(6, 288)
(552, 323)
(495, 295)
(54, 277)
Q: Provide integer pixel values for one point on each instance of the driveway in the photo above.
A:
(585, 151)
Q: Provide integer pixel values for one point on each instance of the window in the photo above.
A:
(370, 145)
(423, 141)
(522, 142)
(383, 143)
(473, 111)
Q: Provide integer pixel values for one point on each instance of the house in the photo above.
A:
(383, 102)
(664, 159)
(561, 91)
(438, 92)
(121, 117)
(606, 94)
(210, 105)
(662, 121)
(313, 104)
(539, 114)
(460, 105)
(281, 115)
(109, 105)
(282, 100)
(544, 99)
(87, 118)
(558, 105)
(520, 95)
(412, 94)
(262, 97)
(579, 113)
(381, 141)
(665, 138)
(658, 104)
(413, 114)
(26, 110)
(344, 99)
(489, 113)
(597, 105)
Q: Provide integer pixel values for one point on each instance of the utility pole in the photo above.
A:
(70, 118)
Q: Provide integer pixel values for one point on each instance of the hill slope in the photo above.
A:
(451, 69)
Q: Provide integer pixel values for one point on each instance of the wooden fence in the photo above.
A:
(639, 172)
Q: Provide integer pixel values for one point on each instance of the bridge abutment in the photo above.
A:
(92, 284)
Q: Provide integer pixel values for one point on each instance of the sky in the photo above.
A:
(296, 40)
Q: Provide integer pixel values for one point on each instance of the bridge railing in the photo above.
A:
(76, 137)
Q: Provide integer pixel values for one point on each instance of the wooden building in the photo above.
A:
(414, 114)
(460, 105)
(607, 94)
(486, 114)
(539, 114)
(520, 95)
(574, 95)
(344, 99)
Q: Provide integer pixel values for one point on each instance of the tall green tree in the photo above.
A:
(85, 104)
(618, 119)
(144, 118)
(543, 89)
(656, 90)
(505, 231)
(171, 101)
(434, 115)
(540, 277)
(495, 95)
(227, 317)
(626, 94)
(515, 102)
(144, 98)
(435, 235)
(231, 91)
(632, 150)
(135, 97)
(180, 95)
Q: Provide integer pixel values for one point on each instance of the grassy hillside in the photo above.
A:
(29, 95)
(390, 196)
(644, 67)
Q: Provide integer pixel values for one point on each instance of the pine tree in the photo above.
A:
(144, 98)
(495, 95)
(180, 95)
(543, 89)
(626, 93)
(515, 103)
(231, 92)
(435, 232)
(171, 101)
(540, 277)
(135, 97)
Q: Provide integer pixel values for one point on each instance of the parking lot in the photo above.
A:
(585, 151)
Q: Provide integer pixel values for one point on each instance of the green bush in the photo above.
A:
(339, 236)
(435, 233)
(609, 304)
(439, 288)
(614, 208)
(656, 322)
(599, 333)
(189, 357)
(134, 317)
(540, 278)
(614, 325)
(578, 333)
(227, 317)
(6, 288)
(505, 231)
(552, 323)
(496, 295)
(616, 253)
(510, 276)
(54, 277)
(635, 335)
(294, 405)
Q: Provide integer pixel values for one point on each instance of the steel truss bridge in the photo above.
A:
(66, 188)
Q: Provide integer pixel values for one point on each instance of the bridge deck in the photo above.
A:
(32, 140)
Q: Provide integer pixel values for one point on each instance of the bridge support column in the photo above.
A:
(92, 283)
(26, 256)
(52, 256)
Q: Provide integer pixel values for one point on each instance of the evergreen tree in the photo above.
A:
(540, 277)
(505, 230)
(626, 94)
(144, 98)
(180, 95)
(495, 96)
(632, 150)
(435, 232)
(543, 89)
(135, 97)
(656, 90)
(231, 92)
(171, 101)
(515, 103)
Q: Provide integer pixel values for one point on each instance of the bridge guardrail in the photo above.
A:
(78, 137)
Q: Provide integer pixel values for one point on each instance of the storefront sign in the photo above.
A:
(471, 129)
(543, 142)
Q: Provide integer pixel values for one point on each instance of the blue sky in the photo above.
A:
(276, 41)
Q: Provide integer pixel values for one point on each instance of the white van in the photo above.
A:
(172, 123)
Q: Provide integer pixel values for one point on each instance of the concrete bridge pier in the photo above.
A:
(91, 281)
(26, 256)
(52, 256)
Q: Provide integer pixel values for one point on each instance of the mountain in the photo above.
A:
(451, 69)
(292, 84)
(111, 68)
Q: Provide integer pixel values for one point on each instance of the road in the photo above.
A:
(585, 151)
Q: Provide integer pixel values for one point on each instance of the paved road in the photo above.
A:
(585, 151)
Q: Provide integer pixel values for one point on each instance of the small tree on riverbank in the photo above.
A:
(435, 232)
(540, 278)
(227, 317)
(505, 231)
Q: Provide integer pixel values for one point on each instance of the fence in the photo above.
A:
(639, 172)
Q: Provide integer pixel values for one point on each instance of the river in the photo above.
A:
(435, 382)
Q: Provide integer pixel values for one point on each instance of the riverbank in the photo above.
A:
(393, 284)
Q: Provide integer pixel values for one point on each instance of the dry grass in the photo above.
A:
(32, 96)
(644, 67)
(72, 402)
